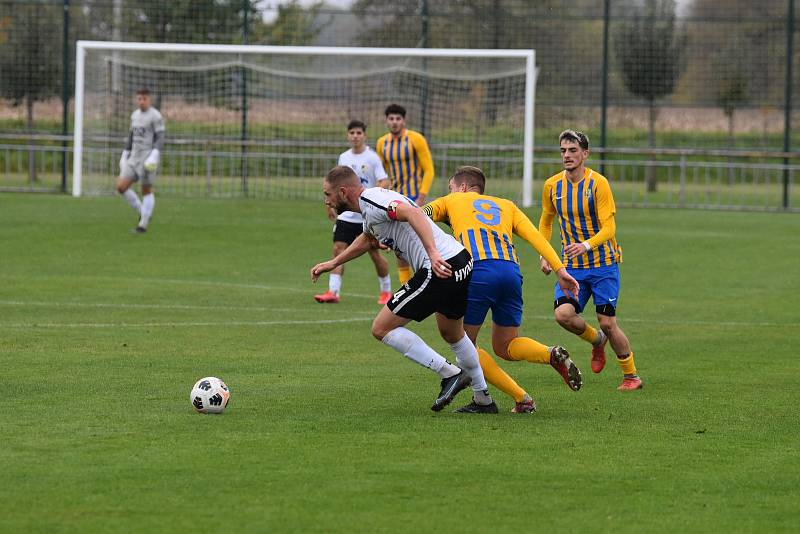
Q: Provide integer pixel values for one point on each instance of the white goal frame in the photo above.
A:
(528, 55)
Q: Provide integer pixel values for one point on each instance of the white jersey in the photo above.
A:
(144, 127)
(378, 206)
(367, 165)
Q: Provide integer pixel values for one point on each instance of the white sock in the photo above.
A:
(467, 359)
(412, 347)
(386, 283)
(148, 203)
(335, 283)
(130, 197)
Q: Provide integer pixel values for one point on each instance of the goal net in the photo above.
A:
(269, 121)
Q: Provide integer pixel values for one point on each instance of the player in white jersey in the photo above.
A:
(367, 165)
(140, 158)
(443, 268)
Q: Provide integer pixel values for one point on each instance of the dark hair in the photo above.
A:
(355, 123)
(395, 109)
(575, 137)
(472, 176)
(143, 91)
(340, 175)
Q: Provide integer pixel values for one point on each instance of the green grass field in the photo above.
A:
(103, 334)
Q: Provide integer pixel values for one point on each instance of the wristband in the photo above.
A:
(587, 246)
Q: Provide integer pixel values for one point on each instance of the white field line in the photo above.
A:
(178, 324)
(683, 323)
(534, 317)
(312, 288)
(46, 304)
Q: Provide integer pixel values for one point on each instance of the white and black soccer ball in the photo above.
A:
(210, 395)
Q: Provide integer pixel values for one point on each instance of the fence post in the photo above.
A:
(207, 149)
(64, 95)
(604, 94)
(245, 39)
(425, 43)
(787, 107)
(682, 178)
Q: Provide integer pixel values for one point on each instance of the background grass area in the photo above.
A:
(103, 334)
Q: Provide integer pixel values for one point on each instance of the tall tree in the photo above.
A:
(650, 47)
(189, 21)
(295, 25)
(732, 80)
(31, 69)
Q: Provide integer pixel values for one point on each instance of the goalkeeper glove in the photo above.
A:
(151, 163)
(123, 159)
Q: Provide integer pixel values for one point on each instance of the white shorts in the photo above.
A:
(134, 170)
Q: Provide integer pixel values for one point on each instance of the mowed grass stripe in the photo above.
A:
(329, 430)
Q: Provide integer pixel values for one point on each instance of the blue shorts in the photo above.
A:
(495, 285)
(600, 283)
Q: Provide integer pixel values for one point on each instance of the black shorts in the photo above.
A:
(347, 232)
(426, 293)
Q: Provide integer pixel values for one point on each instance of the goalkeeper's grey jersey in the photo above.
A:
(144, 127)
(378, 208)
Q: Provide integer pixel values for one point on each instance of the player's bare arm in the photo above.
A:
(421, 225)
(362, 244)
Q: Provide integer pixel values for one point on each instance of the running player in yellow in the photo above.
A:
(407, 159)
(585, 207)
(485, 226)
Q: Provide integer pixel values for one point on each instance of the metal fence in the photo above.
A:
(716, 74)
(684, 178)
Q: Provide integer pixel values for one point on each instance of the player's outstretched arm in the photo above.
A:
(360, 245)
(422, 227)
(546, 224)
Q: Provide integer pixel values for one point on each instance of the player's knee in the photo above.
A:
(607, 324)
(500, 347)
(564, 314)
(379, 331)
(451, 335)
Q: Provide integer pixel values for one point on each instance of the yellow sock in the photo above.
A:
(627, 365)
(589, 335)
(499, 378)
(529, 350)
(404, 274)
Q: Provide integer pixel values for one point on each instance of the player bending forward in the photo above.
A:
(367, 166)
(584, 204)
(486, 226)
(140, 158)
(442, 272)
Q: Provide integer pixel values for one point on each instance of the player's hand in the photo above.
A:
(441, 268)
(151, 163)
(567, 283)
(421, 199)
(331, 213)
(546, 269)
(321, 268)
(575, 249)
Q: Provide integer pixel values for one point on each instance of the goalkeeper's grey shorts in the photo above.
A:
(134, 170)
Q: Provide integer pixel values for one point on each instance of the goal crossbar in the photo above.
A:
(528, 55)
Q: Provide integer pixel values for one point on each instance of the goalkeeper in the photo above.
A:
(140, 158)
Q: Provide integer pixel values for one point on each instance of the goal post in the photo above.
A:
(271, 116)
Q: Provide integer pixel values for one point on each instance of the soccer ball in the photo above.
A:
(209, 395)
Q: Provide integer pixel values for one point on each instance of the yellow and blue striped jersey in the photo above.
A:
(485, 226)
(586, 212)
(407, 160)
